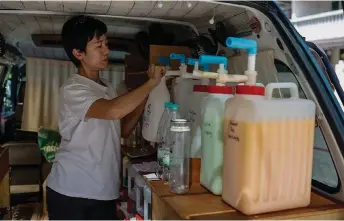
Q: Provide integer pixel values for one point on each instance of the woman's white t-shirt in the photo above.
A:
(87, 165)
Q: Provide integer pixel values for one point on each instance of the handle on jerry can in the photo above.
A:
(179, 57)
(294, 91)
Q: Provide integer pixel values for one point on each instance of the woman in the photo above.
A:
(84, 181)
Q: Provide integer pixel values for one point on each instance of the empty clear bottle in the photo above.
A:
(160, 137)
(180, 154)
(166, 147)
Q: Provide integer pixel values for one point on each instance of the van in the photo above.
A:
(33, 66)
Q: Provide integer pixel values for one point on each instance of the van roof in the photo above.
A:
(22, 19)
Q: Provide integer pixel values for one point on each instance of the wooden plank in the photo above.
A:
(197, 204)
(160, 211)
(162, 189)
(200, 204)
(5, 191)
(4, 161)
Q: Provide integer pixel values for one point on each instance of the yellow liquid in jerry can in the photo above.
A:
(268, 165)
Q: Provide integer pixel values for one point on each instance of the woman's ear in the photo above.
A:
(78, 54)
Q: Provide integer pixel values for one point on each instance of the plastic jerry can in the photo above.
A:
(153, 110)
(269, 150)
(212, 137)
(197, 99)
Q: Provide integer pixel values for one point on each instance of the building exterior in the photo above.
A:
(321, 22)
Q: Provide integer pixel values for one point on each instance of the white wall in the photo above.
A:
(304, 8)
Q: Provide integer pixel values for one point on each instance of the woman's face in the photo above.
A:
(96, 55)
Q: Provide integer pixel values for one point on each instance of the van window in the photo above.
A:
(324, 170)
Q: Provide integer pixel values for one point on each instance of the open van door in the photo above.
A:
(3, 70)
(328, 70)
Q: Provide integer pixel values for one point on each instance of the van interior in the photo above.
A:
(34, 65)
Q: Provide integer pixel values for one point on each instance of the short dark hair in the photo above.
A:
(78, 31)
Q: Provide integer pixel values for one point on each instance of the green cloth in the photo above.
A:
(48, 142)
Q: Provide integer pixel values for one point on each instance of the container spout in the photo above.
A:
(196, 72)
(221, 72)
(251, 47)
(181, 58)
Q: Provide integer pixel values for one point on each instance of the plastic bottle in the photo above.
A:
(180, 156)
(126, 165)
(161, 137)
(269, 146)
(155, 107)
(166, 148)
(212, 129)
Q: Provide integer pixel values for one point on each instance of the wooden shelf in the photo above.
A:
(200, 204)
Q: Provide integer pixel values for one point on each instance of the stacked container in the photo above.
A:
(212, 129)
(268, 150)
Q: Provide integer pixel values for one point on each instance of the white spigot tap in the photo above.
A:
(222, 74)
(251, 47)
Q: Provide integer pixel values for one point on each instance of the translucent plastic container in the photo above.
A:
(153, 110)
(161, 137)
(125, 167)
(166, 147)
(212, 138)
(180, 156)
(195, 117)
(182, 90)
(269, 149)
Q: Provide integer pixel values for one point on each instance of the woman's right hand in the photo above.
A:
(155, 73)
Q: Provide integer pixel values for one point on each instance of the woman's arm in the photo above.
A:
(129, 122)
(119, 107)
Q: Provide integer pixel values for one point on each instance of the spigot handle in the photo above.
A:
(164, 60)
(211, 59)
(179, 57)
(242, 43)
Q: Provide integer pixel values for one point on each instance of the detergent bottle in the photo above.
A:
(155, 107)
(269, 144)
(183, 85)
(212, 127)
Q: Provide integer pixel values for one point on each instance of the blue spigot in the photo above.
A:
(179, 57)
(242, 43)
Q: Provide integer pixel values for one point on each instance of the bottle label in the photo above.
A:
(233, 132)
(207, 128)
(147, 115)
(192, 116)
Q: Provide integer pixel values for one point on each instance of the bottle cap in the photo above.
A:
(250, 90)
(212, 89)
(200, 88)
